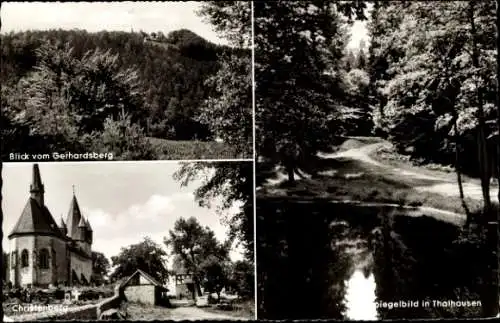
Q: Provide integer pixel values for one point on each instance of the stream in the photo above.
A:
(363, 262)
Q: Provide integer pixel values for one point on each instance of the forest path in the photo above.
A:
(440, 182)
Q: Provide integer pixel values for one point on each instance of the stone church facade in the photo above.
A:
(43, 253)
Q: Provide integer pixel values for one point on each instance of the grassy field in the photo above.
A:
(192, 149)
(350, 179)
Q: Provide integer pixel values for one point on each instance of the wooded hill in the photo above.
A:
(158, 81)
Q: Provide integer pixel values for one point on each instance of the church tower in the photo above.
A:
(37, 246)
(37, 189)
(80, 244)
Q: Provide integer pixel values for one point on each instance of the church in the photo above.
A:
(43, 253)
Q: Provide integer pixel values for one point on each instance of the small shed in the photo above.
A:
(140, 287)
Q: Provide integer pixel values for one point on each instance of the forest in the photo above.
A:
(407, 120)
(139, 95)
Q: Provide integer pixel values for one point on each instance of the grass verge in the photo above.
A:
(191, 149)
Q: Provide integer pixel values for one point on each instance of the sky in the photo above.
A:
(358, 33)
(123, 201)
(110, 16)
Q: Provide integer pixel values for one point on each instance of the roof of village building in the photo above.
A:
(35, 219)
(148, 277)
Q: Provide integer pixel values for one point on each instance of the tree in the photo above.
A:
(215, 275)
(100, 266)
(126, 140)
(228, 111)
(196, 246)
(231, 19)
(299, 101)
(242, 278)
(233, 183)
(146, 255)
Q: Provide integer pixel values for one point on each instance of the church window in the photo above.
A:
(25, 258)
(44, 259)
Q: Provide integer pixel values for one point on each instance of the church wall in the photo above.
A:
(81, 265)
(43, 276)
(21, 276)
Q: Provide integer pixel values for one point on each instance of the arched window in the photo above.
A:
(25, 260)
(44, 259)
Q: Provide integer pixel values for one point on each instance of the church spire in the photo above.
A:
(36, 187)
(74, 218)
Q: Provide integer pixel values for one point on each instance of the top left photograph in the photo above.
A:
(99, 81)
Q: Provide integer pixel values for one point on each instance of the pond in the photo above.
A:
(321, 260)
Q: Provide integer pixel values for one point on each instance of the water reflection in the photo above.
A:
(360, 296)
(324, 261)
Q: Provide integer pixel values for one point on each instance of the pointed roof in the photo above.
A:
(148, 277)
(74, 217)
(88, 225)
(62, 224)
(82, 223)
(36, 180)
(35, 219)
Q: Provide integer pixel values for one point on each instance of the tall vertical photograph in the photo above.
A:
(128, 241)
(100, 81)
(377, 159)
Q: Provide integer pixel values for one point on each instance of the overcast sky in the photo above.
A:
(97, 16)
(124, 201)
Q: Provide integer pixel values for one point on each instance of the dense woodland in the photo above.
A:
(426, 82)
(75, 90)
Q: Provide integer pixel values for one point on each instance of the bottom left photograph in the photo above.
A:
(128, 240)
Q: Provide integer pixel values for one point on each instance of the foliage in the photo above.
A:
(166, 106)
(125, 139)
(145, 255)
(300, 98)
(232, 20)
(100, 266)
(242, 278)
(232, 183)
(229, 113)
(422, 65)
(215, 275)
(199, 251)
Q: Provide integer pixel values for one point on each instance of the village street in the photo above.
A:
(138, 312)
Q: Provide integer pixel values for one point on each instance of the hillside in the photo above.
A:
(172, 70)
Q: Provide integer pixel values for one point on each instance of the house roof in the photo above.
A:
(145, 275)
(36, 219)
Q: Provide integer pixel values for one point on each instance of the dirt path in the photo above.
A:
(195, 313)
(182, 313)
(444, 186)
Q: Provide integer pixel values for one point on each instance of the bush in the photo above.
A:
(122, 138)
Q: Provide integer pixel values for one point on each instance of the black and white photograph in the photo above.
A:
(128, 240)
(377, 168)
(100, 81)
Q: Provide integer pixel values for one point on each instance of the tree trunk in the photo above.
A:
(459, 174)
(484, 167)
(489, 218)
(289, 165)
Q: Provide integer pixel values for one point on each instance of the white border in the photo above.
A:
(254, 163)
